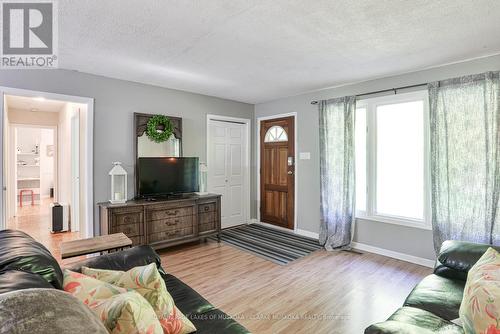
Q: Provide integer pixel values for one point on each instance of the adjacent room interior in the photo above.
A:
(45, 165)
(250, 167)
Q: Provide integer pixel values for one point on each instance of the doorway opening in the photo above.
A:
(45, 160)
(277, 171)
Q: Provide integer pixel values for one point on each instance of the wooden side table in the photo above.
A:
(103, 243)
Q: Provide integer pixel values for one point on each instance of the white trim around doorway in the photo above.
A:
(257, 149)
(247, 122)
(89, 146)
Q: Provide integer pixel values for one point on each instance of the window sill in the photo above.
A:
(396, 221)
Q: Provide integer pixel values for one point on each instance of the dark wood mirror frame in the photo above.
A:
(140, 125)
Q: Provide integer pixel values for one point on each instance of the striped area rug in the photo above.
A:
(271, 244)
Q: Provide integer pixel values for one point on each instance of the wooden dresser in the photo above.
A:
(163, 223)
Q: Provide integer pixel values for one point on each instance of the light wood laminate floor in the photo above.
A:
(325, 292)
(36, 221)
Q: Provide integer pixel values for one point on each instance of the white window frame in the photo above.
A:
(371, 105)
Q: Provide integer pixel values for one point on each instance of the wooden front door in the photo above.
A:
(277, 171)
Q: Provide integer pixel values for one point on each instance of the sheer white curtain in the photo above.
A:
(336, 126)
(465, 118)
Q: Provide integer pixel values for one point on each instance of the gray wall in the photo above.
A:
(412, 241)
(115, 103)
(116, 100)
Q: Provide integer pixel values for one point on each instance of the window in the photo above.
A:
(275, 134)
(360, 149)
(392, 159)
(400, 160)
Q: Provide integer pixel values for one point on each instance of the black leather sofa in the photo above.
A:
(436, 300)
(25, 263)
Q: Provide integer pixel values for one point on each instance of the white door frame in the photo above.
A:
(13, 126)
(296, 171)
(89, 147)
(246, 122)
(75, 173)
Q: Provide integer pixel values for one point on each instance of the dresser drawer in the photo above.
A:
(171, 224)
(126, 217)
(207, 217)
(171, 234)
(206, 207)
(130, 230)
(136, 241)
(157, 214)
(207, 227)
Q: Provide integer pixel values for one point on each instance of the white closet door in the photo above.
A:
(218, 164)
(235, 170)
(226, 169)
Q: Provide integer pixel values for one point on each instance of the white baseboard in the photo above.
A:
(395, 255)
(307, 233)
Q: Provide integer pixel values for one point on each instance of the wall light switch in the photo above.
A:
(305, 155)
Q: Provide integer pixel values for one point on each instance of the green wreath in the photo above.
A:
(154, 128)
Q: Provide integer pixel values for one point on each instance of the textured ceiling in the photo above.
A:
(34, 104)
(255, 51)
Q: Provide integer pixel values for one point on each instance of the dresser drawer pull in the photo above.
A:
(127, 219)
(172, 213)
(175, 222)
(207, 208)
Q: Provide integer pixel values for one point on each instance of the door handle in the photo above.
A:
(290, 172)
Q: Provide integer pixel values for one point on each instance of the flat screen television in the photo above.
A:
(160, 177)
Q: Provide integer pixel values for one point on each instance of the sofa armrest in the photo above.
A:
(459, 256)
(447, 272)
(19, 251)
(122, 260)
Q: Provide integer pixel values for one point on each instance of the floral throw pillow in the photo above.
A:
(147, 281)
(480, 308)
(120, 310)
(127, 313)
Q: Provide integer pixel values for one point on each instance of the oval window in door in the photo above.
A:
(275, 133)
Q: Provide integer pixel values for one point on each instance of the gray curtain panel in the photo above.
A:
(464, 124)
(336, 129)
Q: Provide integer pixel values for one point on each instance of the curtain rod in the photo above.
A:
(385, 91)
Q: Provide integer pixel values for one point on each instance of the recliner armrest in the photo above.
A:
(122, 260)
(459, 256)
